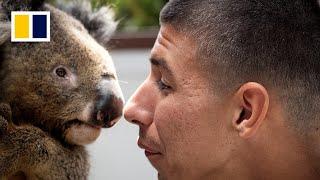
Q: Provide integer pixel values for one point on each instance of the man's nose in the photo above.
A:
(109, 109)
(140, 108)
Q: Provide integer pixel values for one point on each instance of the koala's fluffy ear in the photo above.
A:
(21, 5)
(5, 26)
(100, 23)
(4, 32)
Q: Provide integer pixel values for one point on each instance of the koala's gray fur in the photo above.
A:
(100, 23)
(53, 117)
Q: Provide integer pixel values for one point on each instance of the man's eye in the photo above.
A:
(162, 86)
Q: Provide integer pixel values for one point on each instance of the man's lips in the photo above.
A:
(149, 151)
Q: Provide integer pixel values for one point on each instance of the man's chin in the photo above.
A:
(82, 134)
(162, 172)
(161, 177)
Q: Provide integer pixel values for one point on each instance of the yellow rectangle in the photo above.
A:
(21, 26)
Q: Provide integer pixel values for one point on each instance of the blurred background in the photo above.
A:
(115, 155)
(134, 14)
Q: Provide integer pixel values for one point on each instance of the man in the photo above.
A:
(233, 91)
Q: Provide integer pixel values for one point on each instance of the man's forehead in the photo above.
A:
(173, 47)
(163, 43)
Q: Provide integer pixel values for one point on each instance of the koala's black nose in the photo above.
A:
(109, 110)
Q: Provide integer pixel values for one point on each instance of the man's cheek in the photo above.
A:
(168, 119)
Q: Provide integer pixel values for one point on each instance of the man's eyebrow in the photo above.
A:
(161, 63)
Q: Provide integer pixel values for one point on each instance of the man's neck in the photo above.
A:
(283, 157)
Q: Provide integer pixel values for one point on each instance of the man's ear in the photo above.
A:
(252, 101)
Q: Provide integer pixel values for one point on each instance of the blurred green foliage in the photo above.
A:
(134, 14)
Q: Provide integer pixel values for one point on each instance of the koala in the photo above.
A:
(56, 96)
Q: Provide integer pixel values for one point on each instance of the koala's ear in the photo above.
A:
(5, 26)
(4, 32)
(100, 23)
(6, 6)
(21, 5)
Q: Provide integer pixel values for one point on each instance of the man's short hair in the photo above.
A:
(275, 43)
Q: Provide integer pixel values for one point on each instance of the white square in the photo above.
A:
(30, 14)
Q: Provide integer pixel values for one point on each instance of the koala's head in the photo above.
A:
(68, 86)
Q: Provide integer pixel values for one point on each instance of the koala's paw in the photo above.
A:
(22, 147)
(5, 111)
(5, 117)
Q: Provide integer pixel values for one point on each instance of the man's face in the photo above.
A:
(184, 127)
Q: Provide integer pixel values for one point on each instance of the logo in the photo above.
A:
(30, 26)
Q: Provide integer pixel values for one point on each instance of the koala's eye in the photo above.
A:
(61, 72)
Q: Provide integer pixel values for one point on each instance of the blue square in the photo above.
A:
(39, 26)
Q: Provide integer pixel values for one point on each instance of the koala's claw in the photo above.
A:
(5, 111)
(5, 117)
(3, 125)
